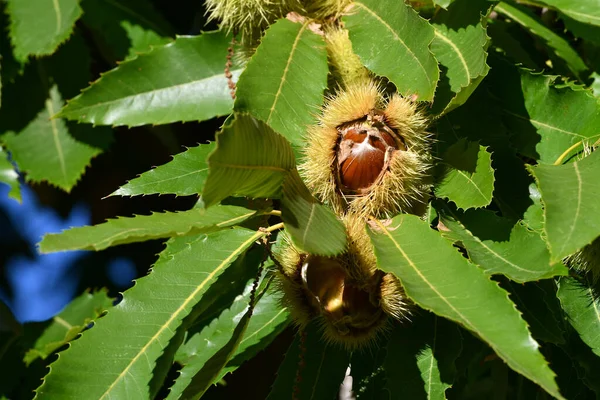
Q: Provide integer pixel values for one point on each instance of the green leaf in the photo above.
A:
(581, 10)
(313, 227)
(38, 27)
(443, 3)
(570, 196)
(420, 359)
(182, 176)
(145, 227)
(64, 327)
(181, 81)
(523, 257)
(150, 314)
(250, 160)
(460, 47)
(385, 33)
(439, 279)
(123, 29)
(545, 120)
(368, 373)
(284, 81)
(467, 177)
(46, 151)
(561, 47)
(9, 176)
(321, 374)
(582, 306)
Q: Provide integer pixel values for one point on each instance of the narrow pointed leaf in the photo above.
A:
(570, 195)
(9, 176)
(124, 29)
(460, 47)
(523, 257)
(250, 160)
(183, 176)
(312, 226)
(150, 313)
(284, 81)
(145, 227)
(545, 120)
(420, 359)
(46, 151)
(582, 306)
(383, 32)
(581, 10)
(322, 373)
(38, 27)
(561, 46)
(181, 81)
(439, 279)
(368, 374)
(65, 326)
(467, 175)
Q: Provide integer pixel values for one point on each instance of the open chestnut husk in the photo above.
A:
(369, 154)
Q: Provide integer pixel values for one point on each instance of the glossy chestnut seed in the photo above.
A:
(363, 155)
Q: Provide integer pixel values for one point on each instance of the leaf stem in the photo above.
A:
(276, 213)
(562, 157)
(274, 227)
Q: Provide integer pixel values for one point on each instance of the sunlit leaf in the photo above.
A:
(582, 306)
(561, 46)
(581, 10)
(570, 196)
(439, 279)
(46, 151)
(383, 32)
(545, 120)
(284, 81)
(181, 81)
(9, 176)
(65, 326)
(460, 47)
(38, 27)
(467, 178)
(145, 227)
(522, 257)
(182, 176)
(321, 373)
(250, 160)
(154, 309)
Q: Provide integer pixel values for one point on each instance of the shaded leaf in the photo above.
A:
(570, 196)
(154, 308)
(545, 120)
(420, 359)
(62, 328)
(386, 31)
(312, 226)
(124, 29)
(322, 373)
(145, 227)
(250, 160)
(284, 80)
(160, 90)
(468, 176)
(561, 46)
(9, 176)
(582, 306)
(38, 27)
(523, 257)
(460, 47)
(182, 176)
(439, 279)
(581, 10)
(368, 373)
(46, 151)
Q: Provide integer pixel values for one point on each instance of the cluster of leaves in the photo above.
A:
(516, 192)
